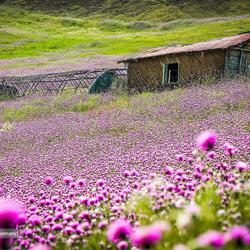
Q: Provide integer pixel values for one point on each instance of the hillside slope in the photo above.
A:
(50, 36)
(160, 10)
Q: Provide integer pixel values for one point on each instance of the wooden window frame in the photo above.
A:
(165, 69)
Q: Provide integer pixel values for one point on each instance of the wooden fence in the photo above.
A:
(56, 82)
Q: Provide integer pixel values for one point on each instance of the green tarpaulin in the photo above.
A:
(102, 82)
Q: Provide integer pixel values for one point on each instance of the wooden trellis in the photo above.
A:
(56, 82)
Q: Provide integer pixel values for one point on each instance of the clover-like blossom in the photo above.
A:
(212, 238)
(206, 140)
(21, 219)
(40, 247)
(122, 245)
(81, 182)
(238, 232)
(246, 239)
(146, 237)
(119, 230)
(242, 166)
(100, 183)
(102, 224)
(230, 149)
(48, 181)
(67, 179)
(180, 157)
(10, 214)
(169, 170)
(126, 173)
(211, 154)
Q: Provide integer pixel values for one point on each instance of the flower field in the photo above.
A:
(165, 170)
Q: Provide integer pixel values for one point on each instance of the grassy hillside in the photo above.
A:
(59, 32)
(160, 10)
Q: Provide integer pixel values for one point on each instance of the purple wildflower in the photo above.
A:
(102, 224)
(238, 232)
(206, 140)
(67, 179)
(212, 238)
(122, 245)
(169, 171)
(40, 247)
(81, 182)
(49, 181)
(10, 213)
(146, 237)
(119, 230)
(242, 166)
(100, 183)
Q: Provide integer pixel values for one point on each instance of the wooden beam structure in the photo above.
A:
(56, 82)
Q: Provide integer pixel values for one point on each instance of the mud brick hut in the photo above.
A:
(168, 66)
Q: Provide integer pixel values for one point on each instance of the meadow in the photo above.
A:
(116, 172)
(149, 171)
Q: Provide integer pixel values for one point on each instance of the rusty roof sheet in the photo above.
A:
(222, 43)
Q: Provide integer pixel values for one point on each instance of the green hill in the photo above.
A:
(159, 10)
(54, 33)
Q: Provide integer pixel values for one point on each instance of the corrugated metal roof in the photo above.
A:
(222, 43)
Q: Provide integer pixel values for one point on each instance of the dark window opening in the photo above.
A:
(171, 73)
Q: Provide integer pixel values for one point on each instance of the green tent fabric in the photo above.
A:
(102, 83)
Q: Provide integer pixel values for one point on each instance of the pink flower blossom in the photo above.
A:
(146, 237)
(212, 238)
(100, 183)
(81, 182)
(180, 157)
(10, 213)
(242, 166)
(102, 224)
(206, 140)
(126, 173)
(49, 181)
(67, 179)
(211, 154)
(9, 218)
(169, 171)
(40, 247)
(57, 227)
(122, 245)
(230, 149)
(238, 232)
(119, 230)
(246, 239)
